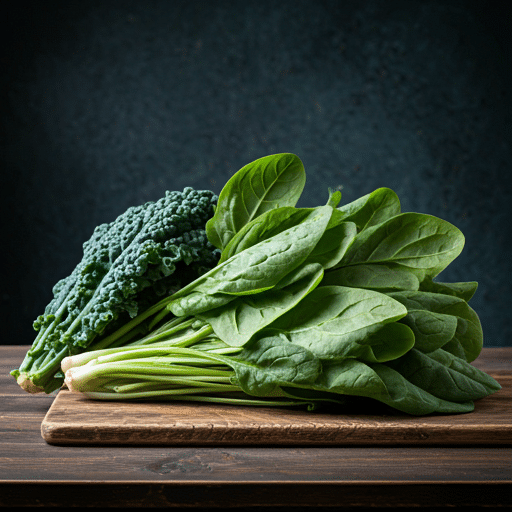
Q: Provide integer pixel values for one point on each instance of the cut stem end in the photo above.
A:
(27, 385)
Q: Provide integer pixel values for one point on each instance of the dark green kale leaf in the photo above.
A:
(147, 252)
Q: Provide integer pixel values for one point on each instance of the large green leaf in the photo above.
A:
(404, 396)
(431, 330)
(389, 342)
(444, 375)
(375, 381)
(372, 209)
(264, 226)
(330, 248)
(385, 277)
(429, 319)
(258, 268)
(236, 322)
(262, 369)
(333, 244)
(463, 290)
(421, 242)
(349, 377)
(266, 183)
(335, 322)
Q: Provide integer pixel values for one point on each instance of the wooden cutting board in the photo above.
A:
(74, 420)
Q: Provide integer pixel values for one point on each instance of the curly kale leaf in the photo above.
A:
(148, 252)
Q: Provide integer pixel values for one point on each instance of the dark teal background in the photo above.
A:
(108, 104)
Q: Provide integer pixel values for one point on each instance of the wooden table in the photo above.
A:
(33, 472)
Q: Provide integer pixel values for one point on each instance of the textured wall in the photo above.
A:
(107, 104)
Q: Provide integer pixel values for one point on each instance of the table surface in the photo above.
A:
(33, 472)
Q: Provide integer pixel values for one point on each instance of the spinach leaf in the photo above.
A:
(277, 220)
(455, 348)
(404, 396)
(389, 342)
(372, 209)
(273, 368)
(264, 226)
(462, 366)
(349, 377)
(256, 269)
(236, 322)
(375, 381)
(414, 240)
(266, 183)
(444, 375)
(333, 244)
(262, 369)
(463, 290)
(380, 277)
(335, 322)
(468, 332)
(329, 249)
(431, 329)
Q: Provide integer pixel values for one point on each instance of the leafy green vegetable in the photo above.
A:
(444, 375)
(242, 318)
(436, 317)
(335, 322)
(422, 243)
(462, 290)
(271, 181)
(254, 270)
(372, 209)
(383, 277)
(333, 244)
(127, 265)
(263, 227)
(305, 306)
(262, 370)
(405, 396)
(279, 219)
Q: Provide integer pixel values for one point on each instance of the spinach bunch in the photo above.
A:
(307, 305)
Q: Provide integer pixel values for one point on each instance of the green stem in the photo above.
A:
(43, 377)
(156, 382)
(110, 339)
(186, 341)
(41, 336)
(158, 318)
(165, 332)
(126, 338)
(164, 394)
(176, 321)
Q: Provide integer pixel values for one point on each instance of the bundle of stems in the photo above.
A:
(180, 360)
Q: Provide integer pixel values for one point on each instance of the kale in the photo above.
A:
(147, 252)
